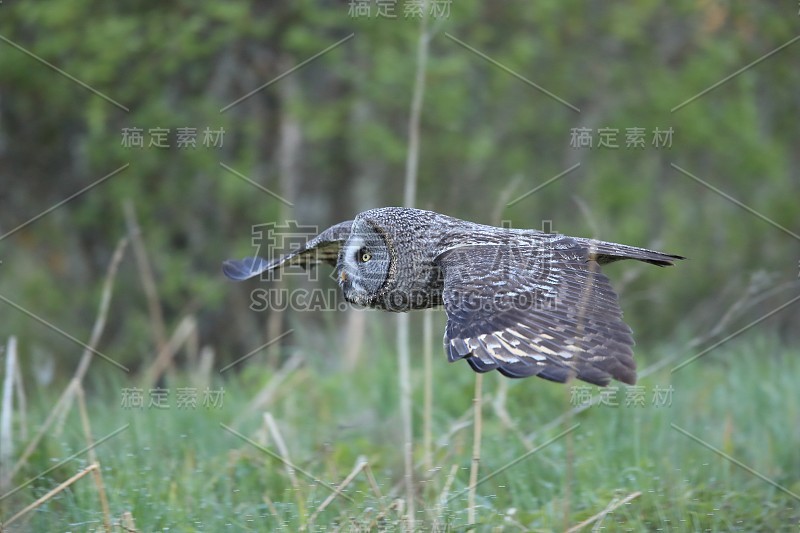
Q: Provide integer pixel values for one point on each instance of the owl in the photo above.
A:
(519, 301)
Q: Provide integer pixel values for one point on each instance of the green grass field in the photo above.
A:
(179, 469)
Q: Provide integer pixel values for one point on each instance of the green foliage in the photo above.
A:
(179, 469)
(487, 135)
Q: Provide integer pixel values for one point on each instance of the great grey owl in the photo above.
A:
(522, 302)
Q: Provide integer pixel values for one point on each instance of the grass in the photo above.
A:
(181, 470)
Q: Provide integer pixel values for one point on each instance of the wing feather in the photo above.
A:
(322, 248)
(552, 314)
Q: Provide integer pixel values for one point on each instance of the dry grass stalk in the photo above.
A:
(283, 450)
(102, 313)
(50, 494)
(376, 491)
(146, 275)
(404, 378)
(272, 508)
(570, 464)
(409, 195)
(289, 157)
(63, 403)
(193, 349)
(274, 326)
(354, 337)
(444, 442)
(6, 414)
(360, 465)
(373, 483)
(97, 473)
(426, 479)
(52, 416)
(500, 411)
(427, 398)
(615, 504)
(396, 505)
(276, 434)
(22, 403)
(268, 393)
(127, 522)
(451, 477)
(238, 453)
(443, 496)
(205, 365)
(476, 447)
(185, 330)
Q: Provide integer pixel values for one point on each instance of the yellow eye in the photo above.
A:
(365, 256)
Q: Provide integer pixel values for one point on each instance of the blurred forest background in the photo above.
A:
(331, 138)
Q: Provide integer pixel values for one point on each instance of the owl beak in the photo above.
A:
(342, 276)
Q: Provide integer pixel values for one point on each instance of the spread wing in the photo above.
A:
(538, 311)
(323, 247)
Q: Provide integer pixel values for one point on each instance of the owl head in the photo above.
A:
(386, 261)
(364, 264)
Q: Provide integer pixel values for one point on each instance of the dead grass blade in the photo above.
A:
(50, 494)
(63, 403)
(373, 483)
(146, 275)
(427, 398)
(477, 429)
(272, 508)
(97, 473)
(409, 195)
(22, 403)
(311, 477)
(502, 414)
(204, 367)
(615, 504)
(275, 432)
(345, 482)
(127, 522)
(6, 414)
(451, 477)
(185, 330)
(444, 495)
(267, 394)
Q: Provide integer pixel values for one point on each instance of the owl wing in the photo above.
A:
(323, 247)
(543, 311)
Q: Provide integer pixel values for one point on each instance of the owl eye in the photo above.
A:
(363, 255)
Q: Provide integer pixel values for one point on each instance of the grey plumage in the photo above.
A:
(522, 302)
